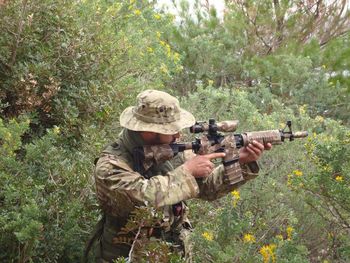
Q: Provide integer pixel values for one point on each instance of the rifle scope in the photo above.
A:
(213, 127)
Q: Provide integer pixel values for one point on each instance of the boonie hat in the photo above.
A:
(156, 111)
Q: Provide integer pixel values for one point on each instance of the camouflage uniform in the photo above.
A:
(120, 189)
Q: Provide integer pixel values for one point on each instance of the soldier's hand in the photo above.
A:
(252, 152)
(201, 165)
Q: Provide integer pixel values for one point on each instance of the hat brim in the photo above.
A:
(129, 121)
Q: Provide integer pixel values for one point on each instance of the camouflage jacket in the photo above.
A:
(120, 189)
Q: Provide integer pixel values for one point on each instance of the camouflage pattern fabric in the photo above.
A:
(156, 111)
(120, 189)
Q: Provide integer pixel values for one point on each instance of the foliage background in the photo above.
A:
(68, 69)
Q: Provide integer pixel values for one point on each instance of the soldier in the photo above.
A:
(157, 119)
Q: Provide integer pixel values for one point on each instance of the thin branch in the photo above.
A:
(279, 22)
(276, 222)
(256, 31)
(135, 240)
(18, 39)
(337, 216)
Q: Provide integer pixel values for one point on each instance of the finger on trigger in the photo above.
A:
(211, 156)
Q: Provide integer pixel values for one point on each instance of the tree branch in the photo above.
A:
(17, 35)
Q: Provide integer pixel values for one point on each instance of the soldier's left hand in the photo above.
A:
(252, 152)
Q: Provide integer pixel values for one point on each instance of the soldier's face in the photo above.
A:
(158, 138)
(166, 139)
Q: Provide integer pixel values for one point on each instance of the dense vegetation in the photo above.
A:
(68, 69)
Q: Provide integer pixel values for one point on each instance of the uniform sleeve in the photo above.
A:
(118, 185)
(215, 185)
(181, 158)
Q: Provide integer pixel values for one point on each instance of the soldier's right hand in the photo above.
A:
(201, 165)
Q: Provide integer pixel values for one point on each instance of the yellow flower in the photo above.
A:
(249, 238)
(208, 236)
(319, 119)
(157, 16)
(327, 168)
(56, 130)
(324, 66)
(176, 57)
(168, 49)
(210, 82)
(297, 173)
(289, 231)
(164, 69)
(137, 12)
(236, 197)
(158, 34)
(235, 194)
(162, 43)
(268, 253)
(302, 109)
(339, 178)
(150, 50)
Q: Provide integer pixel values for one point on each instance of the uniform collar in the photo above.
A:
(131, 139)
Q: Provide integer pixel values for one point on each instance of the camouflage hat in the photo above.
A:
(156, 111)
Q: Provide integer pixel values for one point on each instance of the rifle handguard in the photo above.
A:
(264, 137)
(271, 136)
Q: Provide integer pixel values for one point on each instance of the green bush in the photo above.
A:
(68, 69)
(273, 215)
(43, 197)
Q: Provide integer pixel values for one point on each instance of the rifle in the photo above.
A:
(212, 141)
